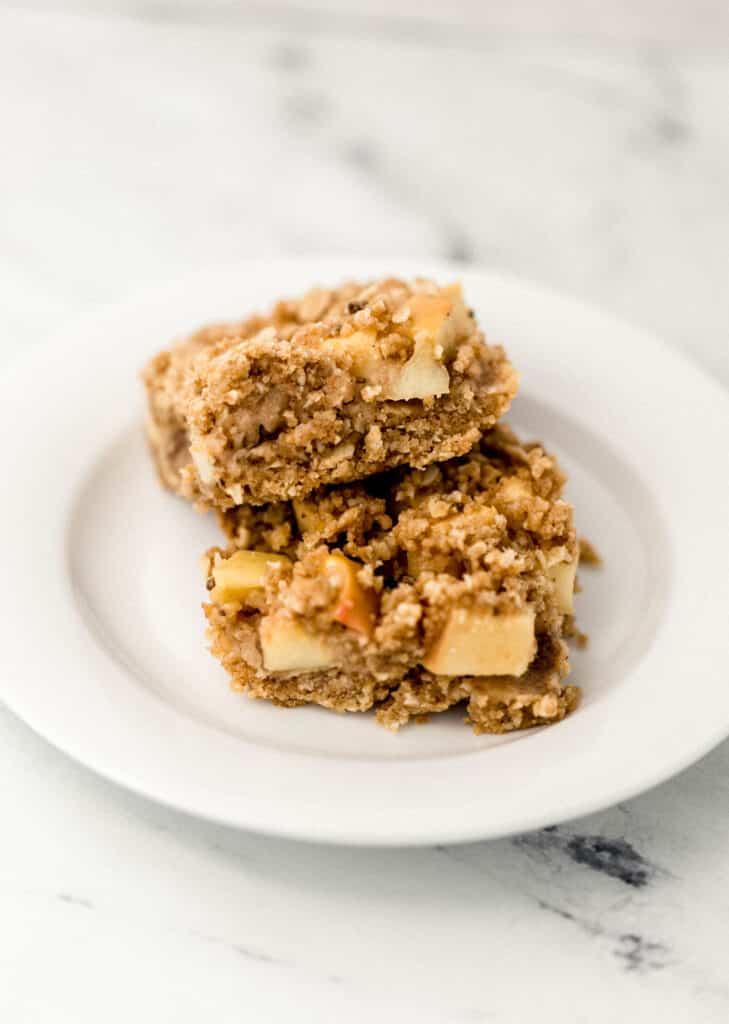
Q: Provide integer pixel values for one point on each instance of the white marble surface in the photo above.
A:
(586, 150)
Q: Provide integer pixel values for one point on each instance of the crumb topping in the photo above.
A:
(335, 386)
(479, 533)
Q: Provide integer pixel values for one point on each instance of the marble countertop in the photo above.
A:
(143, 140)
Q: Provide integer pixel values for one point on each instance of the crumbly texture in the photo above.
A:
(320, 392)
(164, 378)
(493, 705)
(479, 532)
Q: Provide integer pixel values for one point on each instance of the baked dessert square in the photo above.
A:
(408, 592)
(337, 386)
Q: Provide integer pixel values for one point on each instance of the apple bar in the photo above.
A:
(336, 386)
(407, 593)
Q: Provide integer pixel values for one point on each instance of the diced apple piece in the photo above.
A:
(244, 571)
(563, 574)
(288, 647)
(475, 642)
(203, 465)
(356, 605)
(422, 376)
(429, 313)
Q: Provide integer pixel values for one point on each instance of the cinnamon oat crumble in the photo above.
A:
(408, 592)
(333, 387)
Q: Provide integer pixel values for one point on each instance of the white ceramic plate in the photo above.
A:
(101, 630)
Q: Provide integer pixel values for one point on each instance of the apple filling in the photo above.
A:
(235, 578)
(286, 644)
(434, 322)
(422, 376)
(356, 606)
(475, 642)
(563, 574)
(288, 647)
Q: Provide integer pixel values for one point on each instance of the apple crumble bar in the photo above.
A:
(408, 592)
(334, 387)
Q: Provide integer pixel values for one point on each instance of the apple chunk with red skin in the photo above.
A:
(475, 642)
(356, 605)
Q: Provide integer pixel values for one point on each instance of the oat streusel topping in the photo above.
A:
(483, 537)
(336, 386)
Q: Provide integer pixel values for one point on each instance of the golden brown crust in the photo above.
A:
(494, 705)
(288, 405)
(478, 532)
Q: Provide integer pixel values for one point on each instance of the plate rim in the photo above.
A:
(64, 340)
